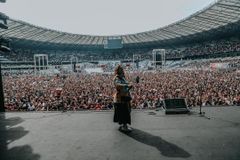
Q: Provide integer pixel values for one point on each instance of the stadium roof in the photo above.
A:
(220, 17)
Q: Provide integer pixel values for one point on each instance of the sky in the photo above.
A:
(102, 17)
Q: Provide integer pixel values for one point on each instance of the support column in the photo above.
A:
(2, 107)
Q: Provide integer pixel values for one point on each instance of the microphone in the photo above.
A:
(137, 79)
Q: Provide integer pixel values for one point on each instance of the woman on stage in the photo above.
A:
(122, 98)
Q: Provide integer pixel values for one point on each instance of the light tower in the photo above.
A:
(159, 58)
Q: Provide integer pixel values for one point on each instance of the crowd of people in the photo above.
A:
(218, 48)
(26, 55)
(232, 62)
(95, 91)
(208, 48)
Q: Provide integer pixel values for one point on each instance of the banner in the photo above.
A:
(219, 65)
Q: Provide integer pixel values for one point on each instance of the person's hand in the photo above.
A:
(130, 86)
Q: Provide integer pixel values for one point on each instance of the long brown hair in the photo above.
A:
(119, 71)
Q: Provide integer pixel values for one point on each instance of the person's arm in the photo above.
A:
(118, 83)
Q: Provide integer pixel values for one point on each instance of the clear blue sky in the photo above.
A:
(102, 17)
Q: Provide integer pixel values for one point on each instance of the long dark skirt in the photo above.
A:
(122, 113)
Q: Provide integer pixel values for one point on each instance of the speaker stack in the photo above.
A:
(175, 106)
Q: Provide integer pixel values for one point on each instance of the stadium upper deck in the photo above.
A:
(219, 19)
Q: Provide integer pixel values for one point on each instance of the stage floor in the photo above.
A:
(89, 135)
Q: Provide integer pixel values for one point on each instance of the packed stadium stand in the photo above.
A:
(213, 32)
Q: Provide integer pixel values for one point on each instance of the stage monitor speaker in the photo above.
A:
(175, 106)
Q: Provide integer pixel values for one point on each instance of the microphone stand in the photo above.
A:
(201, 114)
